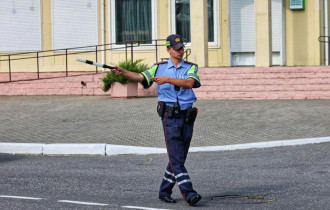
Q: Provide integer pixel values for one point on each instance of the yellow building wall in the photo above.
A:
(46, 26)
(302, 46)
(263, 17)
(163, 29)
(148, 54)
(322, 33)
(220, 56)
(50, 61)
(302, 31)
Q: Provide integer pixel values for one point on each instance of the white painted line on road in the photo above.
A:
(145, 208)
(83, 203)
(19, 197)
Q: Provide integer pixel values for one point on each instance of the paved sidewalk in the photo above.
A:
(101, 119)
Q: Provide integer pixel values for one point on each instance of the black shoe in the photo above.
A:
(167, 199)
(194, 199)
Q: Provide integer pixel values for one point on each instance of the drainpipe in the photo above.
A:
(326, 32)
(103, 31)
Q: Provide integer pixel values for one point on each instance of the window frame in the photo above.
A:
(112, 25)
(216, 16)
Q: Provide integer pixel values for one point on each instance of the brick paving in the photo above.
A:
(101, 119)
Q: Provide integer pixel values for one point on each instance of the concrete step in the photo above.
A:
(263, 88)
(265, 95)
(57, 83)
(311, 82)
(276, 69)
(265, 83)
(263, 75)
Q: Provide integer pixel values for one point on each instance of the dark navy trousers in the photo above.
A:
(178, 135)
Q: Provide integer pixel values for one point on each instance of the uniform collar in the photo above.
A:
(170, 64)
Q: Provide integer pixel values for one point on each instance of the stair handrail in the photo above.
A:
(10, 57)
(325, 39)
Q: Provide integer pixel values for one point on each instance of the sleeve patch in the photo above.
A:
(148, 74)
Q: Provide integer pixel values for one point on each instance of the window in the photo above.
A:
(210, 12)
(20, 25)
(74, 23)
(182, 19)
(133, 20)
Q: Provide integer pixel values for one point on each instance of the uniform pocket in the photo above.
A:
(165, 86)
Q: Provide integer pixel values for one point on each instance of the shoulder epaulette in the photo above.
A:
(162, 62)
(190, 63)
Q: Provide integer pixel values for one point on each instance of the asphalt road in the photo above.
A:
(278, 178)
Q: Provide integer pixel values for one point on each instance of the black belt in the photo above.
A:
(169, 108)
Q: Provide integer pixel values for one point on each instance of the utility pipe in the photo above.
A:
(326, 34)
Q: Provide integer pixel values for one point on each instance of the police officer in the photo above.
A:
(175, 79)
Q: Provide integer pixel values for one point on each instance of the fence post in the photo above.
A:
(66, 62)
(96, 56)
(131, 51)
(9, 68)
(126, 49)
(156, 52)
(328, 51)
(38, 64)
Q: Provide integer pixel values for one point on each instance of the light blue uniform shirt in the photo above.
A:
(166, 92)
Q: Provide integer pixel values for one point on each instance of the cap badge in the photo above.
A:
(177, 39)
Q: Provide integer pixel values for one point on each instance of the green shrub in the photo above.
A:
(135, 66)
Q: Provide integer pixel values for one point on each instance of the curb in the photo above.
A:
(21, 148)
(110, 149)
(73, 149)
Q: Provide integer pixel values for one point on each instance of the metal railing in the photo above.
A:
(128, 46)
